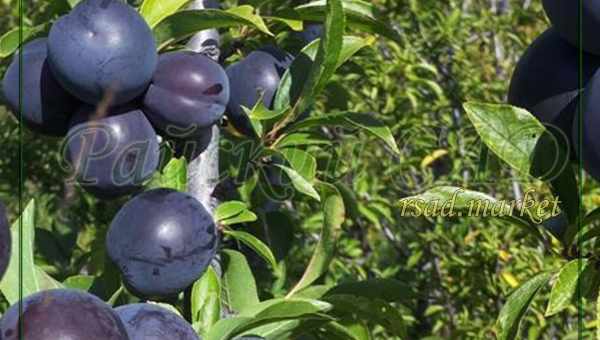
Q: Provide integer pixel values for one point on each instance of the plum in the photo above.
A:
(47, 107)
(5, 242)
(589, 150)
(112, 153)
(102, 49)
(546, 80)
(259, 73)
(564, 16)
(311, 32)
(145, 321)
(189, 93)
(62, 314)
(162, 241)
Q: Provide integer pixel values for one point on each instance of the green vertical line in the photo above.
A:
(580, 307)
(21, 167)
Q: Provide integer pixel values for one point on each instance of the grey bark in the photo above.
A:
(203, 170)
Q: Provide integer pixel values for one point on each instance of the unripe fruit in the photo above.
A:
(189, 92)
(102, 49)
(162, 240)
(47, 107)
(63, 314)
(145, 321)
(112, 153)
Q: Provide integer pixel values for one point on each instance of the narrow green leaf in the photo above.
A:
(301, 161)
(507, 326)
(9, 42)
(154, 11)
(375, 310)
(173, 176)
(245, 217)
(239, 286)
(255, 244)
(206, 300)
(299, 182)
(334, 215)
(11, 281)
(361, 15)
(275, 310)
(376, 128)
(229, 209)
(363, 121)
(82, 282)
(289, 90)
(386, 289)
(565, 286)
(184, 24)
(302, 138)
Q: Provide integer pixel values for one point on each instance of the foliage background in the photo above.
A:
(459, 272)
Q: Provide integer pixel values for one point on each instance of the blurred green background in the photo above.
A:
(462, 270)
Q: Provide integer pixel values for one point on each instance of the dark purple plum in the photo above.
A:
(311, 32)
(63, 314)
(145, 321)
(162, 240)
(259, 73)
(102, 49)
(5, 242)
(47, 107)
(546, 80)
(590, 115)
(112, 153)
(189, 92)
(564, 16)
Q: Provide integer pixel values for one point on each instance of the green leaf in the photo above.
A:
(565, 286)
(255, 244)
(334, 215)
(447, 201)
(515, 307)
(154, 11)
(229, 209)
(351, 119)
(326, 60)
(9, 42)
(34, 279)
(301, 161)
(386, 289)
(206, 301)
(375, 310)
(300, 139)
(239, 286)
(245, 217)
(270, 311)
(299, 182)
(82, 282)
(290, 86)
(376, 128)
(510, 132)
(360, 15)
(185, 23)
(173, 176)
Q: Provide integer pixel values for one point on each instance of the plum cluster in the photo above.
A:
(60, 314)
(98, 80)
(558, 68)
